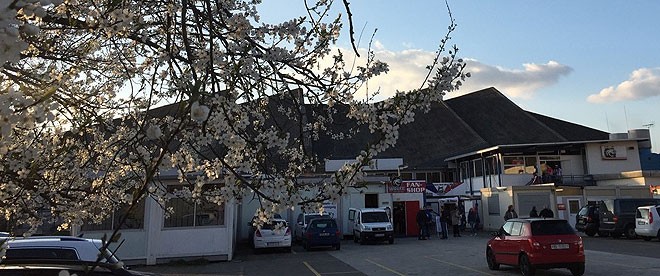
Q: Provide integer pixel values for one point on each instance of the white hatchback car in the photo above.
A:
(275, 234)
(58, 248)
(647, 222)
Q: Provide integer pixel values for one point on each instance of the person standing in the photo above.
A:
(533, 213)
(546, 212)
(429, 221)
(445, 218)
(421, 223)
(456, 221)
(510, 213)
(473, 219)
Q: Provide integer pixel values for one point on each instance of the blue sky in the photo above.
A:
(594, 63)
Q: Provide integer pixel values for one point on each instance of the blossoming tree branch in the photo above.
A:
(98, 98)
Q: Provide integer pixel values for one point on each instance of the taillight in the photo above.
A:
(258, 233)
(580, 245)
(615, 219)
(534, 244)
(589, 219)
(288, 231)
(337, 233)
(650, 217)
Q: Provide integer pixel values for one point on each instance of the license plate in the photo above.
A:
(559, 246)
(379, 235)
(272, 243)
(641, 223)
(324, 234)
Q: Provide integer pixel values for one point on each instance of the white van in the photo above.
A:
(648, 222)
(370, 224)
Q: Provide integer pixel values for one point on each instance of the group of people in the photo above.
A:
(426, 218)
(545, 213)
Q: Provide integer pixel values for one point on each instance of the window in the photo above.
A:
(478, 167)
(135, 219)
(516, 228)
(519, 164)
(370, 217)
(371, 200)
(491, 164)
(494, 204)
(420, 176)
(551, 227)
(506, 228)
(187, 213)
(464, 170)
(42, 253)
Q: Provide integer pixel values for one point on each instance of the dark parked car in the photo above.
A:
(617, 216)
(588, 220)
(536, 243)
(322, 232)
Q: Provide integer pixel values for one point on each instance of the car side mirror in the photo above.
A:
(300, 223)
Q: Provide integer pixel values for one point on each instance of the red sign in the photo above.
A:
(561, 206)
(407, 186)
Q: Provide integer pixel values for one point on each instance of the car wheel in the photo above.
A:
(305, 245)
(577, 270)
(526, 268)
(647, 238)
(630, 232)
(355, 237)
(490, 259)
(590, 232)
(362, 241)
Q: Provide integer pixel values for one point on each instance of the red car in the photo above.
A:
(536, 243)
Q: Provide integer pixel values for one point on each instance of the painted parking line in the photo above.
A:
(386, 268)
(309, 266)
(457, 265)
(311, 269)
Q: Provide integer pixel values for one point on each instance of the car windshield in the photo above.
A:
(274, 225)
(323, 223)
(374, 217)
(551, 227)
(310, 217)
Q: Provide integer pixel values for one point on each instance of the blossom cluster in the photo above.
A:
(100, 98)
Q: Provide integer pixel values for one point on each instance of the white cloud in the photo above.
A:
(408, 70)
(515, 83)
(643, 83)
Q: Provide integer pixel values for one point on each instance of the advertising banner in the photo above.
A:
(407, 186)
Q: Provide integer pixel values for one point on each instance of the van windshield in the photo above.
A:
(369, 217)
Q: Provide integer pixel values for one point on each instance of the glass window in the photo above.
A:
(513, 165)
(551, 227)
(370, 217)
(516, 228)
(420, 176)
(41, 253)
(530, 164)
(506, 228)
(478, 167)
(189, 213)
(135, 219)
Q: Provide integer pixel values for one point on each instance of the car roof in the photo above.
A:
(365, 210)
(535, 219)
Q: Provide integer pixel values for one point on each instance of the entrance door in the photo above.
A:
(399, 218)
(412, 207)
(573, 208)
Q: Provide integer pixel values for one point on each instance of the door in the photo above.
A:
(412, 207)
(573, 207)
(399, 218)
(351, 221)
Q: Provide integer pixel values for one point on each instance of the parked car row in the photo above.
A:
(50, 255)
(617, 217)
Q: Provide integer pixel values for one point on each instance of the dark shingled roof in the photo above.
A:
(471, 122)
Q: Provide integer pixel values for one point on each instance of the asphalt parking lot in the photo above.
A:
(409, 256)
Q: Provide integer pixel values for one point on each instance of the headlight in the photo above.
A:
(389, 227)
(367, 228)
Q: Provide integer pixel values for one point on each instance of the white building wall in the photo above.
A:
(596, 164)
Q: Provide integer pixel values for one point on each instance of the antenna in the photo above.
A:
(649, 126)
